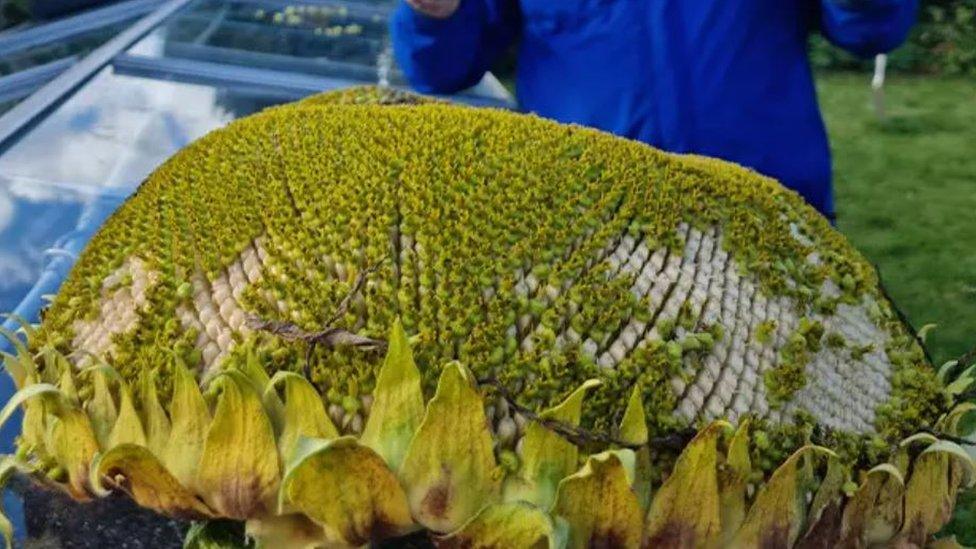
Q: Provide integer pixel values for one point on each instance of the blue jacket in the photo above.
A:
(723, 78)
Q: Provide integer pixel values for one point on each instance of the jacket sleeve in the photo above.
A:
(867, 27)
(449, 55)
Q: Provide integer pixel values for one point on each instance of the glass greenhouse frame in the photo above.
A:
(91, 104)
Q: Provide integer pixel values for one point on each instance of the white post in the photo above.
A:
(877, 84)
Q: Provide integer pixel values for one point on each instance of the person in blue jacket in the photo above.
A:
(723, 78)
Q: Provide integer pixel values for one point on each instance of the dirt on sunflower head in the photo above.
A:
(491, 327)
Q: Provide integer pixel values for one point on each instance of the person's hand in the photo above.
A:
(439, 9)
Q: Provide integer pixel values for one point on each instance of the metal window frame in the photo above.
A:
(30, 109)
(288, 84)
(23, 83)
(18, 40)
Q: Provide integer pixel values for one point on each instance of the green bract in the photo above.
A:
(366, 314)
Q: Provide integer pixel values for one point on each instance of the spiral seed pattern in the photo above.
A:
(538, 254)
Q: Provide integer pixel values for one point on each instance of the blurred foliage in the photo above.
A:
(943, 42)
(905, 194)
(13, 12)
(963, 524)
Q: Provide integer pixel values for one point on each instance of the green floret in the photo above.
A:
(488, 233)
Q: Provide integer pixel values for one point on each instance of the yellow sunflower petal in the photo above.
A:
(190, 419)
(256, 374)
(505, 525)
(952, 421)
(24, 395)
(633, 430)
(292, 531)
(33, 426)
(303, 412)
(676, 517)
(932, 488)
(346, 489)
(546, 457)
(71, 440)
(20, 364)
(128, 427)
(874, 514)
(238, 473)
(153, 415)
(733, 480)
(140, 474)
(777, 515)
(945, 543)
(68, 387)
(824, 518)
(599, 506)
(450, 470)
(101, 408)
(633, 427)
(55, 364)
(398, 402)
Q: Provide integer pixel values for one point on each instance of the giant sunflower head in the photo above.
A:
(366, 315)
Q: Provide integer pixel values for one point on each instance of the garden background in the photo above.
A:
(906, 182)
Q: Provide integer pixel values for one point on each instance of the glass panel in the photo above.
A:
(32, 218)
(117, 128)
(79, 46)
(7, 105)
(338, 39)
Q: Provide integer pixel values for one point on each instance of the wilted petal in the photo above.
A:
(777, 515)
(932, 488)
(507, 525)
(599, 506)
(346, 489)
(945, 543)
(824, 518)
(732, 482)
(547, 458)
(686, 510)
(71, 440)
(238, 473)
(139, 473)
(874, 514)
(282, 531)
(398, 402)
(450, 470)
(954, 423)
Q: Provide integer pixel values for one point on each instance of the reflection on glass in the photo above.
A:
(79, 45)
(32, 219)
(118, 128)
(339, 39)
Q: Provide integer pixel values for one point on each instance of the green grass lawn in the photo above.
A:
(906, 194)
